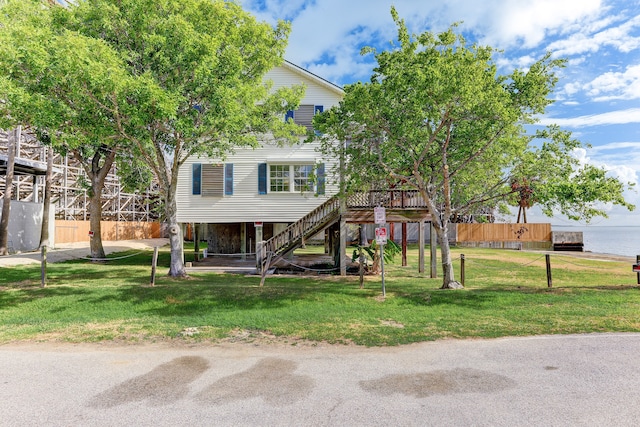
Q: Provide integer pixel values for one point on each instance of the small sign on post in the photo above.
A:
(381, 235)
(379, 215)
(90, 233)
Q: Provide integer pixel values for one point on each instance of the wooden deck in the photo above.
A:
(400, 205)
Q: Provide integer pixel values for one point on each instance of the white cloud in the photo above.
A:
(616, 85)
(631, 115)
(583, 41)
(528, 23)
(330, 33)
(624, 156)
(617, 146)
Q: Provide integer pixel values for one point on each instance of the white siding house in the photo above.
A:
(271, 185)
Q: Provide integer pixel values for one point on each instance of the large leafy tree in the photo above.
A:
(438, 118)
(66, 85)
(200, 65)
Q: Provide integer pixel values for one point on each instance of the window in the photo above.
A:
(212, 180)
(279, 178)
(303, 116)
(303, 178)
(283, 178)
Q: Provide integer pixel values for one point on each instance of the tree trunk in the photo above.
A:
(8, 190)
(97, 173)
(46, 203)
(448, 281)
(95, 221)
(176, 266)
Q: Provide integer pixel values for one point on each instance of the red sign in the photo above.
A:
(257, 224)
(90, 233)
(381, 236)
(636, 268)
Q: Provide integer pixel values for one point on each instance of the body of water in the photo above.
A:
(607, 240)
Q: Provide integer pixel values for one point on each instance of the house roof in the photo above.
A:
(308, 74)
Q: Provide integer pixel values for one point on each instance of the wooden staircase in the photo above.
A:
(293, 236)
(401, 206)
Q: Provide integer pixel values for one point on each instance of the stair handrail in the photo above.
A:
(330, 208)
(303, 226)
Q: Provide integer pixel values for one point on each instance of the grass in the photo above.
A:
(506, 294)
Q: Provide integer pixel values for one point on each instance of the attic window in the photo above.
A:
(303, 116)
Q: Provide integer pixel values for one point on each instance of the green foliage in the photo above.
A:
(158, 80)
(199, 66)
(559, 183)
(391, 250)
(437, 117)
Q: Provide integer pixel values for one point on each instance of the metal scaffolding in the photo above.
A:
(69, 196)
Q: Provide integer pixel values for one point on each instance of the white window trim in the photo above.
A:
(291, 165)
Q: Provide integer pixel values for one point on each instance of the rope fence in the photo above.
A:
(514, 268)
(273, 259)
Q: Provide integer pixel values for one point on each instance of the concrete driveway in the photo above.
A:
(575, 380)
(79, 250)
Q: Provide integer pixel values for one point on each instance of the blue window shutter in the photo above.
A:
(317, 109)
(288, 116)
(228, 179)
(320, 185)
(262, 178)
(196, 179)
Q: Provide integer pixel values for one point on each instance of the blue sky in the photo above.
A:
(597, 97)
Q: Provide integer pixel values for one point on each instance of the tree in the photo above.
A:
(66, 85)
(438, 118)
(551, 177)
(199, 66)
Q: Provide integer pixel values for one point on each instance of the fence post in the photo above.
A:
(462, 269)
(421, 247)
(259, 255)
(361, 267)
(43, 266)
(638, 262)
(548, 259)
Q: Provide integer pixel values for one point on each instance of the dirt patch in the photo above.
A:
(165, 384)
(271, 379)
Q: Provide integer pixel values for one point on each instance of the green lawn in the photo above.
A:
(506, 294)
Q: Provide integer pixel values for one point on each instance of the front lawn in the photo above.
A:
(506, 294)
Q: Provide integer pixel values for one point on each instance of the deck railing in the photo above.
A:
(329, 211)
(391, 199)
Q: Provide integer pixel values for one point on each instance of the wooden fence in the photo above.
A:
(505, 235)
(78, 231)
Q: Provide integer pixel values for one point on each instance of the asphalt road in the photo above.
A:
(575, 380)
